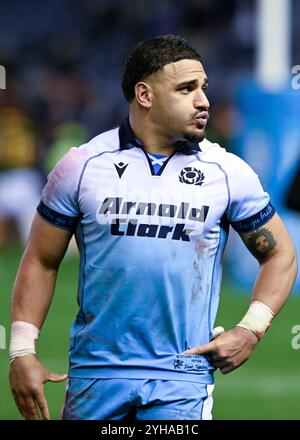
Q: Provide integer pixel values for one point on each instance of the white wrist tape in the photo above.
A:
(257, 319)
(22, 340)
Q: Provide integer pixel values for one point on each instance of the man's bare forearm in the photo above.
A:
(33, 291)
(275, 280)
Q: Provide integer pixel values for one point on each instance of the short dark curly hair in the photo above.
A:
(151, 56)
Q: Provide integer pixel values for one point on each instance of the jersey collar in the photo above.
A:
(128, 140)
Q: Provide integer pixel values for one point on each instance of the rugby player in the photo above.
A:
(150, 204)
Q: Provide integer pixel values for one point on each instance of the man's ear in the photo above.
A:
(143, 94)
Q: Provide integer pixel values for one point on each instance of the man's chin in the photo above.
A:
(195, 137)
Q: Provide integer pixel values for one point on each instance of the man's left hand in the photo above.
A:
(229, 350)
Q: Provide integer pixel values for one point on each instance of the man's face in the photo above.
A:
(179, 104)
(262, 244)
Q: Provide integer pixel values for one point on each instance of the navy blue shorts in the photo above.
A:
(140, 399)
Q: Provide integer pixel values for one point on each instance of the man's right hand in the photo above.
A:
(27, 377)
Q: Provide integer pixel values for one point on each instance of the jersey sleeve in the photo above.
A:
(59, 203)
(249, 205)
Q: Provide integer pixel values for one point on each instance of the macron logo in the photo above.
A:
(120, 167)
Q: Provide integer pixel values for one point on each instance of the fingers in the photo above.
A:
(42, 403)
(222, 363)
(27, 378)
(228, 369)
(29, 406)
(53, 377)
(26, 406)
(30, 401)
(207, 348)
(228, 350)
(32, 409)
(21, 404)
(40, 397)
(202, 349)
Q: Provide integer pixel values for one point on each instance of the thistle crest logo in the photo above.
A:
(191, 176)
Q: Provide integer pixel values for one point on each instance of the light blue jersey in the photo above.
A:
(151, 246)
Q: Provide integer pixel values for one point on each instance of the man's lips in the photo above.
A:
(201, 119)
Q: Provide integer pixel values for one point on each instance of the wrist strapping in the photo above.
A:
(257, 319)
(22, 340)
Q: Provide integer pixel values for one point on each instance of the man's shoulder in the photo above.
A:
(215, 153)
(77, 157)
(73, 163)
(106, 141)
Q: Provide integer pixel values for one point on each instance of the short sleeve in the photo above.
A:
(249, 206)
(59, 203)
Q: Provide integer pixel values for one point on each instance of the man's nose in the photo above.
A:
(201, 101)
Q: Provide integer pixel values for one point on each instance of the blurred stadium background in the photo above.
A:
(63, 61)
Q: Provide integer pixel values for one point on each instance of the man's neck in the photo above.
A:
(153, 142)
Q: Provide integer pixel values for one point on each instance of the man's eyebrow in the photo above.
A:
(193, 81)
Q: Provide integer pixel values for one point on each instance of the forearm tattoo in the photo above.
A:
(260, 243)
